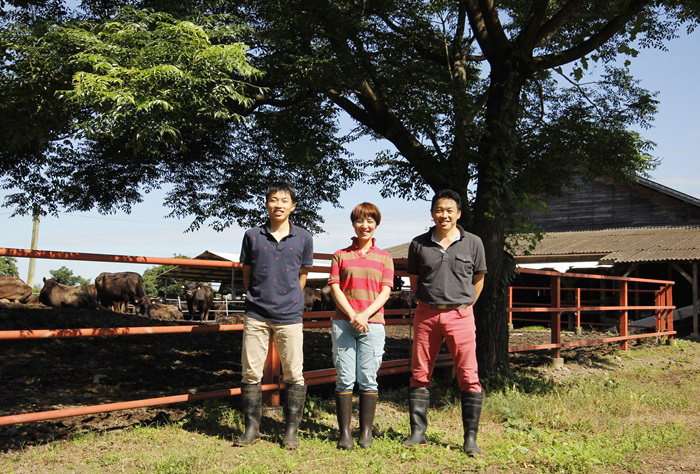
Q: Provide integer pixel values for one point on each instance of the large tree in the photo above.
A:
(492, 99)
(99, 107)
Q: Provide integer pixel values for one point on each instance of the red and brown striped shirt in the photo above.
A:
(361, 277)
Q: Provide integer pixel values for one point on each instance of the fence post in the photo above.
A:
(510, 308)
(668, 301)
(271, 374)
(557, 360)
(658, 313)
(577, 329)
(624, 345)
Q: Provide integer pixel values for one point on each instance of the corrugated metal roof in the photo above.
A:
(208, 274)
(645, 244)
(625, 245)
(205, 273)
(398, 251)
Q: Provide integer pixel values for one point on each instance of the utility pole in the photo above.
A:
(35, 239)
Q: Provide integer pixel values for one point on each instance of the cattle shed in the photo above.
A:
(226, 276)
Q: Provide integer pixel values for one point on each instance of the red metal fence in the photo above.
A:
(272, 382)
(659, 290)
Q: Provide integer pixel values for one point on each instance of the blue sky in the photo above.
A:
(146, 232)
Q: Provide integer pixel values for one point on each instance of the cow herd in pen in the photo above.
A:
(116, 291)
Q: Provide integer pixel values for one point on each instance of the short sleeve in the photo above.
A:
(246, 254)
(307, 259)
(388, 272)
(479, 257)
(412, 264)
(334, 277)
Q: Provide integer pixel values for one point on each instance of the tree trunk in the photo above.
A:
(492, 199)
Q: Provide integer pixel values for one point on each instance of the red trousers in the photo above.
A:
(456, 326)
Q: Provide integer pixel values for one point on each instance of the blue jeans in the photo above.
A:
(357, 356)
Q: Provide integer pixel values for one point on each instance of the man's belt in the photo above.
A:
(448, 306)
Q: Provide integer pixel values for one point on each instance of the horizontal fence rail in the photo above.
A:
(272, 380)
(661, 304)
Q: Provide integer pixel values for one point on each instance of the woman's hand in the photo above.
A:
(360, 323)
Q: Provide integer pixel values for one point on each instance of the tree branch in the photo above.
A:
(476, 21)
(424, 52)
(554, 24)
(459, 31)
(548, 61)
(582, 91)
(528, 35)
(483, 18)
(352, 109)
(384, 123)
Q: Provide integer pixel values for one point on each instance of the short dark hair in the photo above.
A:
(366, 209)
(281, 186)
(446, 194)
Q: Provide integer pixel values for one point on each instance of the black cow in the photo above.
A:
(117, 290)
(401, 300)
(200, 298)
(312, 299)
(56, 295)
(327, 301)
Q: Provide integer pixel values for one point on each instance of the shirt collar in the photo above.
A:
(266, 228)
(356, 246)
(460, 236)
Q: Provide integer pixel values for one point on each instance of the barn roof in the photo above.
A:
(630, 245)
(644, 244)
(668, 191)
(205, 273)
(398, 251)
(224, 274)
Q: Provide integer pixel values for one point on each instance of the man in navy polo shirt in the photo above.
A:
(446, 266)
(276, 257)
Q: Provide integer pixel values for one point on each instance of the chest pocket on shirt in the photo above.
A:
(462, 265)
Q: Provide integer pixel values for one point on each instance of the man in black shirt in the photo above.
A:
(446, 266)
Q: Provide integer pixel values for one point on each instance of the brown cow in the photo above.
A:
(117, 290)
(56, 295)
(164, 311)
(91, 289)
(14, 289)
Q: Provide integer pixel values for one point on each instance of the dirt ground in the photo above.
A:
(49, 374)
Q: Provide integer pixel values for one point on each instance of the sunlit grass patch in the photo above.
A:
(604, 421)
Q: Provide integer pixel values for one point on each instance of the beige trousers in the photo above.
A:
(289, 340)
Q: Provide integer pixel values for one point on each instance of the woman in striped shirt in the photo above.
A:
(361, 279)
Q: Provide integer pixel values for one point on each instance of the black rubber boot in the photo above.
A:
(293, 410)
(251, 399)
(418, 400)
(343, 408)
(368, 405)
(471, 412)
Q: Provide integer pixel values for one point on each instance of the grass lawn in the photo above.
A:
(628, 413)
